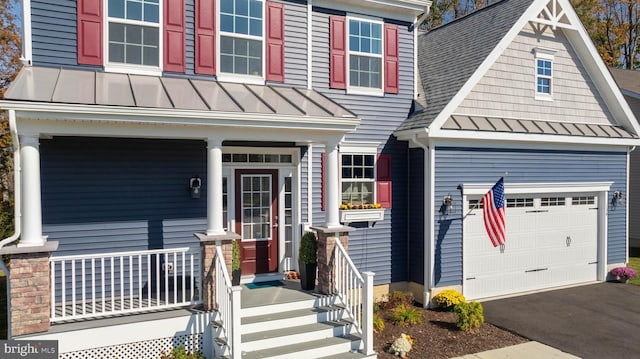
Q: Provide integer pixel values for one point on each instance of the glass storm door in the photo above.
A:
(257, 220)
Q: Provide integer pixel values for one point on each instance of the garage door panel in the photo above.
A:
(546, 246)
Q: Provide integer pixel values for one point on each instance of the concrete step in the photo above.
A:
(328, 347)
(272, 321)
(351, 355)
(298, 334)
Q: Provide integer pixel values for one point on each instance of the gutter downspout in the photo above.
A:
(27, 52)
(629, 150)
(17, 193)
(16, 178)
(428, 226)
(416, 71)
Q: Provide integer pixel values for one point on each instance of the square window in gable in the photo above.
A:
(133, 35)
(365, 44)
(544, 73)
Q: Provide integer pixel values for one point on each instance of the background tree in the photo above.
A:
(9, 66)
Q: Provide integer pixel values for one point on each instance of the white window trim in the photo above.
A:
(541, 53)
(357, 90)
(240, 78)
(130, 68)
(360, 148)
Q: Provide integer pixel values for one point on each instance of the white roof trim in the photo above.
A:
(176, 116)
(405, 10)
(529, 137)
(537, 188)
(583, 46)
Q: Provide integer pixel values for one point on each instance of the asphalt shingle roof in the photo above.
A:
(450, 54)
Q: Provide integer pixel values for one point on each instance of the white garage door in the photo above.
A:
(551, 240)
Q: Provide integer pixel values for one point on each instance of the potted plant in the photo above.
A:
(623, 274)
(307, 261)
(236, 272)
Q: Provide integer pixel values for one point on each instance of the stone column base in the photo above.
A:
(30, 288)
(208, 253)
(327, 238)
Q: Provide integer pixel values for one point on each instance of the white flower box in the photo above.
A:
(361, 215)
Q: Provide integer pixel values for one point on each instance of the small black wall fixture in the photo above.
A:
(617, 198)
(195, 183)
(447, 204)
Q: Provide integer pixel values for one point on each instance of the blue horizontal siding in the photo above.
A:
(105, 195)
(54, 32)
(382, 249)
(455, 166)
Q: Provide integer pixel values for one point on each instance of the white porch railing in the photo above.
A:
(355, 291)
(228, 306)
(98, 285)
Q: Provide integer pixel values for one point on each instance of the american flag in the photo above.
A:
(493, 213)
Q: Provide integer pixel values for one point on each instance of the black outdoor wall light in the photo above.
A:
(195, 183)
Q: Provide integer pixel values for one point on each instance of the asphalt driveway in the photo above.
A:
(592, 321)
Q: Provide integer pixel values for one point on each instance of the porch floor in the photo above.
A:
(252, 295)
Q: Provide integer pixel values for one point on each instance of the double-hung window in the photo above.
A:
(358, 178)
(133, 28)
(544, 73)
(242, 37)
(365, 55)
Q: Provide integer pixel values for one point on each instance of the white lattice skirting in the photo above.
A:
(139, 350)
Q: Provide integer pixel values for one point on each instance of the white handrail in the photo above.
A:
(355, 291)
(108, 284)
(228, 305)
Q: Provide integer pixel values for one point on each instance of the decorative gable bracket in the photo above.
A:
(554, 15)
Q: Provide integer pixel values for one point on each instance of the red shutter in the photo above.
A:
(174, 25)
(383, 180)
(275, 41)
(323, 174)
(391, 59)
(205, 37)
(337, 52)
(90, 32)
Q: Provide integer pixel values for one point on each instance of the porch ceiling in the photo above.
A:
(39, 89)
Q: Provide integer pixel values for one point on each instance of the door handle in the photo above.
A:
(568, 241)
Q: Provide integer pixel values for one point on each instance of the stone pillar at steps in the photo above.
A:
(327, 238)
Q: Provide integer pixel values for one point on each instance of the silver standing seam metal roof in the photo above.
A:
(89, 87)
(494, 124)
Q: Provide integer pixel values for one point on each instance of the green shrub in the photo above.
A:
(235, 255)
(470, 315)
(308, 248)
(181, 353)
(378, 323)
(449, 298)
(406, 315)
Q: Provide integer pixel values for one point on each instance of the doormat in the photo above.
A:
(271, 283)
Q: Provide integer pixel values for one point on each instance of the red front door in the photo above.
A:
(257, 220)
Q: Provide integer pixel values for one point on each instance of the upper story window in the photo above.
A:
(242, 37)
(134, 32)
(365, 54)
(544, 73)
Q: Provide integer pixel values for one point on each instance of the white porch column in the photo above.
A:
(31, 231)
(214, 190)
(332, 194)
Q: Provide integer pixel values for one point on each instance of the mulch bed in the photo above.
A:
(438, 337)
